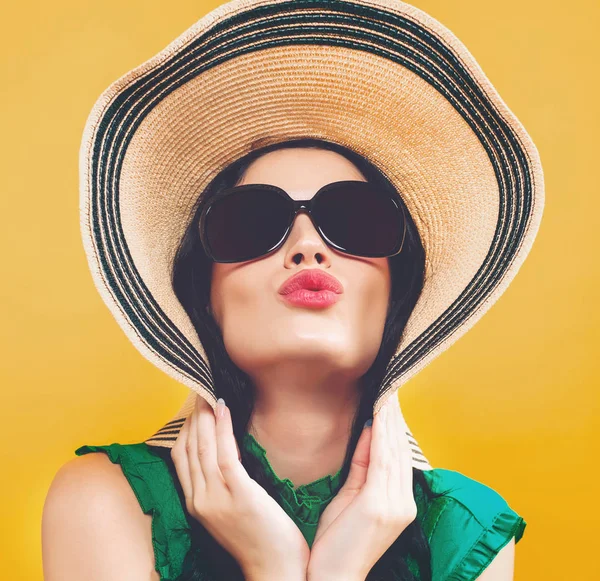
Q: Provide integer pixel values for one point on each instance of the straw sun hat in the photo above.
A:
(378, 76)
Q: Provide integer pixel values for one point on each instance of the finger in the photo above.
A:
(359, 466)
(377, 462)
(390, 446)
(207, 445)
(198, 480)
(406, 452)
(180, 460)
(395, 429)
(238, 451)
(393, 435)
(227, 456)
(403, 462)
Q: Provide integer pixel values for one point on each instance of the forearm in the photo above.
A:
(336, 576)
(292, 576)
(287, 573)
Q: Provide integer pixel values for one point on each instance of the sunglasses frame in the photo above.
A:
(297, 206)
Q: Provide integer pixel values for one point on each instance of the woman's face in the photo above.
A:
(263, 333)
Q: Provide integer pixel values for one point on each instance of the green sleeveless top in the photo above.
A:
(466, 527)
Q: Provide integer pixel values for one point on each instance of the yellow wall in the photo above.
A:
(513, 404)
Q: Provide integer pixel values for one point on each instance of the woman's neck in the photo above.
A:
(305, 438)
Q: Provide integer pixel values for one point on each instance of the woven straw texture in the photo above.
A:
(380, 77)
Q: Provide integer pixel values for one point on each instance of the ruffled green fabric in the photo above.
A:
(305, 503)
(466, 527)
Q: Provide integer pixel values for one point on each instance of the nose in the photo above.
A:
(304, 242)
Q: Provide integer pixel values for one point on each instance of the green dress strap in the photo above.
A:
(153, 485)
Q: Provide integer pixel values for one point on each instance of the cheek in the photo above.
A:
(243, 308)
(232, 287)
(371, 298)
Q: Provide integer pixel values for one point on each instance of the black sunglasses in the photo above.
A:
(248, 221)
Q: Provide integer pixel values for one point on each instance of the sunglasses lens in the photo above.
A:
(246, 224)
(360, 219)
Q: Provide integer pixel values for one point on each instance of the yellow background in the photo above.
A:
(513, 404)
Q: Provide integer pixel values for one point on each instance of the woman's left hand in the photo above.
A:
(373, 507)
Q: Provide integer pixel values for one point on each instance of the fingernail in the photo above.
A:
(220, 407)
(368, 423)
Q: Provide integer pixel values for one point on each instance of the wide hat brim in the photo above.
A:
(380, 77)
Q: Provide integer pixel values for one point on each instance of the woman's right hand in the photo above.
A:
(236, 510)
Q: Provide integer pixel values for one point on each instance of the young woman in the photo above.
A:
(293, 291)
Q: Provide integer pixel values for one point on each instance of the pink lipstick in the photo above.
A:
(312, 288)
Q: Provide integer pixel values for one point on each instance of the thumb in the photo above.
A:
(357, 475)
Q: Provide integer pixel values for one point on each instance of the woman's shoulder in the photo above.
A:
(467, 524)
(90, 500)
(149, 477)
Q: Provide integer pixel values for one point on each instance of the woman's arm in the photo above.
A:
(93, 527)
(502, 567)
